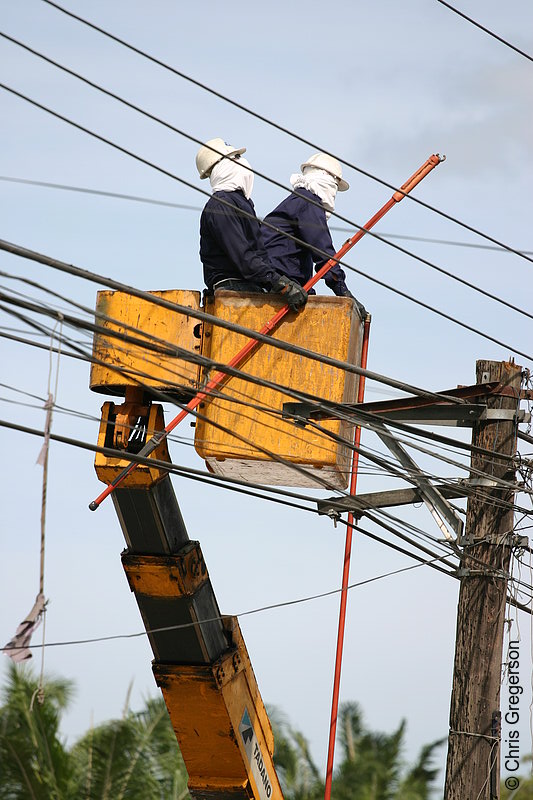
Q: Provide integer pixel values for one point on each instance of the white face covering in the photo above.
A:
(229, 174)
(319, 182)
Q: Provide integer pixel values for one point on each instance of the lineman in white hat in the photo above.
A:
(304, 214)
(231, 245)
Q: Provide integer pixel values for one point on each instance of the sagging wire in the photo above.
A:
(183, 206)
(275, 125)
(275, 386)
(160, 121)
(250, 612)
(486, 30)
(209, 318)
(169, 204)
(113, 334)
(166, 343)
(88, 310)
(166, 172)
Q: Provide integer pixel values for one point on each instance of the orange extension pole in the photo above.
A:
(252, 344)
(345, 576)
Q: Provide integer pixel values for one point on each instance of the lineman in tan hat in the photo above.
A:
(231, 244)
(319, 181)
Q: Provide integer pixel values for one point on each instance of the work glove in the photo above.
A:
(341, 290)
(361, 310)
(294, 295)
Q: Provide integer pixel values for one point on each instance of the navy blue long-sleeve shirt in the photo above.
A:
(231, 243)
(296, 216)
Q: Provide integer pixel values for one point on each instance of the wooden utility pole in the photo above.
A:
(473, 765)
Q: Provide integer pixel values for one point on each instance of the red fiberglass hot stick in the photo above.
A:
(345, 576)
(238, 359)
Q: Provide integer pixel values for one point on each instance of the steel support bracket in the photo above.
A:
(505, 415)
(442, 512)
(464, 572)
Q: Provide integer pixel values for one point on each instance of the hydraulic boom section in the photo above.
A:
(200, 659)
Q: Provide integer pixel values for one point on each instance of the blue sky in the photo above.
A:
(383, 86)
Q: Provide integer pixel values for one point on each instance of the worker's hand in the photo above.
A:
(341, 290)
(361, 310)
(294, 295)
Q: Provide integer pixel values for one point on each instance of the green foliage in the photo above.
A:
(34, 762)
(134, 758)
(137, 757)
(371, 767)
(298, 774)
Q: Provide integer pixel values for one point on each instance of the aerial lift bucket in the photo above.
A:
(252, 344)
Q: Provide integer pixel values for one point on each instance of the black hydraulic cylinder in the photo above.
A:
(151, 519)
(152, 524)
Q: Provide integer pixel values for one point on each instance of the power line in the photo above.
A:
(383, 463)
(276, 125)
(183, 206)
(254, 494)
(364, 452)
(277, 387)
(486, 30)
(430, 240)
(209, 318)
(231, 484)
(16, 250)
(270, 607)
(365, 418)
(100, 193)
(220, 481)
(359, 272)
(183, 133)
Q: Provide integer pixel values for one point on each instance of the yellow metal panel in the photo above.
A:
(166, 576)
(328, 325)
(202, 724)
(232, 626)
(126, 364)
(209, 706)
(107, 468)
